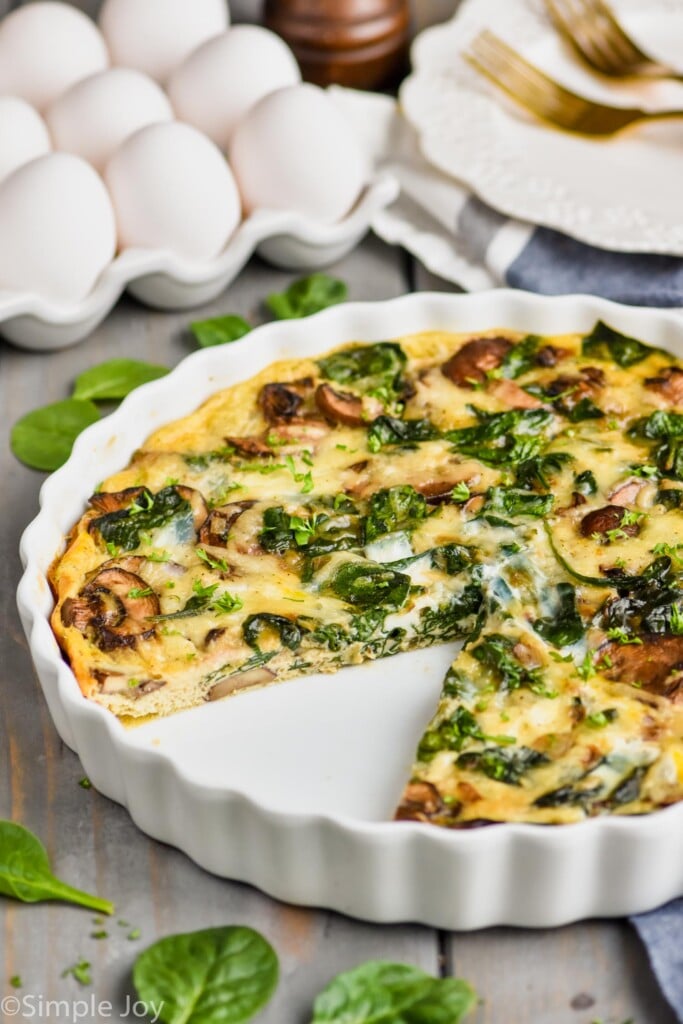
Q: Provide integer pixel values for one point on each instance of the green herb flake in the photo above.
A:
(85, 783)
(80, 971)
(219, 330)
(16, 981)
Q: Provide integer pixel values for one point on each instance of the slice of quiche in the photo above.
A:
(518, 493)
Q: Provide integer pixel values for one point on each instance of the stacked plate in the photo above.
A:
(621, 194)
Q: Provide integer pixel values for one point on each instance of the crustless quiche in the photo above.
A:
(521, 494)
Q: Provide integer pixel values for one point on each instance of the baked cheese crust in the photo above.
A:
(517, 493)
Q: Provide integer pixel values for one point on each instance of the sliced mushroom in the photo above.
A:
(114, 501)
(341, 407)
(550, 355)
(216, 527)
(669, 384)
(626, 493)
(240, 681)
(250, 446)
(129, 608)
(475, 359)
(570, 390)
(283, 401)
(80, 611)
(436, 492)
(422, 802)
(200, 509)
(115, 683)
(603, 520)
(511, 395)
(656, 663)
(299, 432)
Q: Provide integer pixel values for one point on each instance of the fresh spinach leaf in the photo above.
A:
(368, 585)
(604, 342)
(564, 626)
(393, 508)
(306, 296)
(25, 872)
(43, 439)
(384, 993)
(219, 330)
(214, 976)
(115, 379)
(124, 527)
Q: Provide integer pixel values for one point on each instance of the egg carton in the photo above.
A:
(166, 281)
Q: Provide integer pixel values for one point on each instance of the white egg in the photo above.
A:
(23, 134)
(46, 47)
(227, 75)
(172, 189)
(155, 36)
(295, 151)
(96, 115)
(57, 228)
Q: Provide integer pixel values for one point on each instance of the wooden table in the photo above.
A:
(595, 971)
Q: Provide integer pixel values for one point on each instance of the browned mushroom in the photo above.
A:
(512, 395)
(116, 683)
(475, 359)
(550, 355)
(114, 501)
(422, 802)
(570, 390)
(80, 611)
(302, 431)
(122, 606)
(200, 509)
(342, 407)
(283, 401)
(250, 446)
(668, 384)
(656, 663)
(603, 520)
(436, 492)
(216, 527)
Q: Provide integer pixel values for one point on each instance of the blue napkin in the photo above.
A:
(662, 934)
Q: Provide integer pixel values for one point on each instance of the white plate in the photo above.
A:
(291, 788)
(622, 194)
(166, 281)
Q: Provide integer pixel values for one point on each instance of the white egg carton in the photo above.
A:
(166, 281)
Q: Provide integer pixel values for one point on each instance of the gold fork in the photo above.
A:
(597, 36)
(546, 98)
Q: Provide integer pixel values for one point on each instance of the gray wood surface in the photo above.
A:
(595, 971)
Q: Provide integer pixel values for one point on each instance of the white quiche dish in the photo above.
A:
(509, 481)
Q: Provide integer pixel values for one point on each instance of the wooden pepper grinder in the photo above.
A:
(358, 43)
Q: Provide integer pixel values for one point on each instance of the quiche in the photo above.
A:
(522, 495)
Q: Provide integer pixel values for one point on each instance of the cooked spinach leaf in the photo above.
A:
(391, 509)
(450, 734)
(584, 409)
(358, 363)
(585, 483)
(605, 342)
(502, 438)
(521, 358)
(288, 631)
(390, 430)
(564, 625)
(367, 585)
(537, 472)
(504, 764)
(124, 527)
(496, 653)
